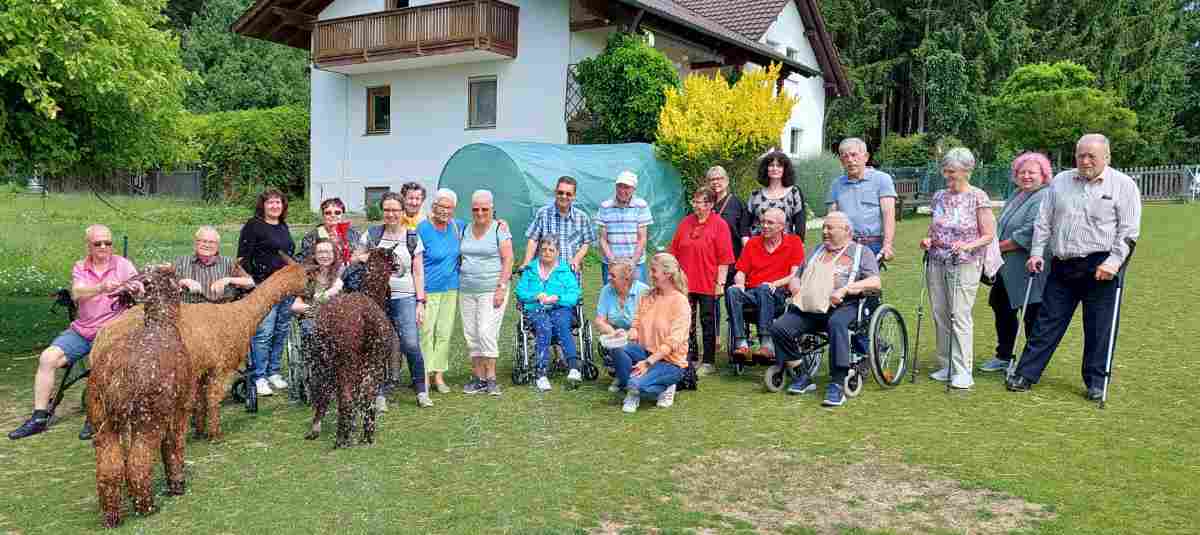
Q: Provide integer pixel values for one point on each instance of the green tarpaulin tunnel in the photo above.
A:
(522, 177)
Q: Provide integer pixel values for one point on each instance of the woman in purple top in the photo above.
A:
(962, 227)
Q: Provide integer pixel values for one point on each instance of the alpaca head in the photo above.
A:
(158, 288)
(295, 278)
(381, 263)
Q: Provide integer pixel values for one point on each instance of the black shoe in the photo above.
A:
(32, 426)
(1018, 383)
(87, 432)
(1095, 393)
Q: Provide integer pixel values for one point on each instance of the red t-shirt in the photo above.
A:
(700, 249)
(762, 267)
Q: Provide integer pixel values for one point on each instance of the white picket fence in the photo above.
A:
(1167, 182)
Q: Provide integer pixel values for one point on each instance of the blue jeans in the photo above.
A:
(266, 349)
(550, 324)
(650, 384)
(641, 272)
(765, 300)
(403, 313)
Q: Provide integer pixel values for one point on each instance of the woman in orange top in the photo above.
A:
(656, 355)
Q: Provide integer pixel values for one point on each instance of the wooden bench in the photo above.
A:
(908, 197)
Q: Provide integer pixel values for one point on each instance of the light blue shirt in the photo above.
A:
(859, 199)
(621, 224)
(480, 271)
(609, 306)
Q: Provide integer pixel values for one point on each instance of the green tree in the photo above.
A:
(179, 12)
(1048, 107)
(625, 87)
(238, 73)
(88, 83)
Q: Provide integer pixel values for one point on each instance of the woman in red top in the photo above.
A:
(704, 250)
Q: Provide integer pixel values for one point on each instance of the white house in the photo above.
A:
(398, 86)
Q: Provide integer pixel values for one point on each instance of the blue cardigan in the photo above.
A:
(561, 282)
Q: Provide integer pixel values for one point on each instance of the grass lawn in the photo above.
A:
(728, 458)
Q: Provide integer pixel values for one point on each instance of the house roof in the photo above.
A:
(735, 23)
(752, 19)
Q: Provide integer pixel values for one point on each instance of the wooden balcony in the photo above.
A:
(461, 31)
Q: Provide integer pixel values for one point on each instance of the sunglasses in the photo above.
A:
(102, 243)
(333, 212)
(562, 193)
(480, 210)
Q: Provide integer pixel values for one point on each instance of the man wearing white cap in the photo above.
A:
(624, 221)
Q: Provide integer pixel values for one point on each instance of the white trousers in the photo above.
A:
(955, 340)
(481, 323)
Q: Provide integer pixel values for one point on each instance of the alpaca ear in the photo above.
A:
(392, 251)
(287, 258)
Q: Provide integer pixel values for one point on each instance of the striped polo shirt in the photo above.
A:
(621, 224)
(1080, 217)
(189, 267)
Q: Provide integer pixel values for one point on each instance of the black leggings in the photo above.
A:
(706, 306)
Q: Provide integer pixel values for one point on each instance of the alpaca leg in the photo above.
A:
(139, 467)
(369, 414)
(200, 406)
(172, 452)
(320, 401)
(212, 406)
(345, 413)
(110, 470)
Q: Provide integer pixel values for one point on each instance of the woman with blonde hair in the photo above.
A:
(656, 355)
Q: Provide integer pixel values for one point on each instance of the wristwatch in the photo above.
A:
(421, 300)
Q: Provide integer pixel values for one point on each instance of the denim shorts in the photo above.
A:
(74, 345)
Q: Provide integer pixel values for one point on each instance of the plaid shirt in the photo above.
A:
(621, 224)
(573, 231)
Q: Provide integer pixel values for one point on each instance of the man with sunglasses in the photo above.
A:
(93, 279)
(561, 220)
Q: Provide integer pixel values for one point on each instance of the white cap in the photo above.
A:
(628, 178)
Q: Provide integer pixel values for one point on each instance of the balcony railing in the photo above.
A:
(442, 28)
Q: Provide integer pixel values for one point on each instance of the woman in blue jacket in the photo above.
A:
(547, 292)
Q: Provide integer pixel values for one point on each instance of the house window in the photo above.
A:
(372, 195)
(793, 54)
(481, 102)
(795, 144)
(397, 4)
(379, 110)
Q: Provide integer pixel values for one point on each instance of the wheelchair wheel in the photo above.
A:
(584, 350)
(521, 370)
(774, 378)
(888, 346)
(237, 390)
(590, 371)
(852, 385)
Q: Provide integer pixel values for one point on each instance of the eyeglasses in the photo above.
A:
(443, 207)
(701, 201)
(562, 193)
(102, 243)
(208, 241)
(392, 210)
(480, 210)
(333, 212)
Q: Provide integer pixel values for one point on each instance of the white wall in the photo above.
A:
(429, 109)
(349, 8)
(809, 115)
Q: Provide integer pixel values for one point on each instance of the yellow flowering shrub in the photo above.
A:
(711, 123)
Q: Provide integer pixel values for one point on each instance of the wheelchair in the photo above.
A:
(739, 363)
(878, 347)
(525, 364)
(76, 371)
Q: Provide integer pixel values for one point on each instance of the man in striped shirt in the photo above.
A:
(1090, 218)
(563, 221)
(208, 276)
(624, 222)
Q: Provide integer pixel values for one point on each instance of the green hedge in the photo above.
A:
(244, 152)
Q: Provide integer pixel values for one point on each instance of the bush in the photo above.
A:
(814, 175)
(244, 152)
(711, 123)
(916, 150)
(374, 213)
(623, 88)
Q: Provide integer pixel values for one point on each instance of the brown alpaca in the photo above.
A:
(140, 396)
(355, 338)
(217, 338)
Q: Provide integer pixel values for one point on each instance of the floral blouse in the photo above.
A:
(956, 219)
(792, 204)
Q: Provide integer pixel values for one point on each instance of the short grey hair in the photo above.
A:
(207, 228)
(851, 142)
(1096, 138)
(840, 216)
(716, 171)
(483, 195)
(446, 193)
(94, 229)
(776, 211)
(621, 265)
(959, 157)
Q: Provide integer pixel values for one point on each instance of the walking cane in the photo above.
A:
(1014, 362)
(951, 275)
(920, 317)
(1112, 333)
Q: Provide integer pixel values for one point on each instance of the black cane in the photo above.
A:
(920, 318)
(1016, 360)
(1112, 333)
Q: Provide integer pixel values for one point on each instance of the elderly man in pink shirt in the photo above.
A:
(92, 280)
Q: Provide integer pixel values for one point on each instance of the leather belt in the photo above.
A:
(868, 239)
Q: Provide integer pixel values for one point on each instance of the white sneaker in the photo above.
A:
(941, 375)
(706, 369)
(543, 384)
(614, 387)
(632, 400)
(380, 404)
(423, 400)
(962, 381)
(263, 388)
(575, 376)
(277, 382)
(667, 397)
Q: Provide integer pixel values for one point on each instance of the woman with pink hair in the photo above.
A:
(1030, 172)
